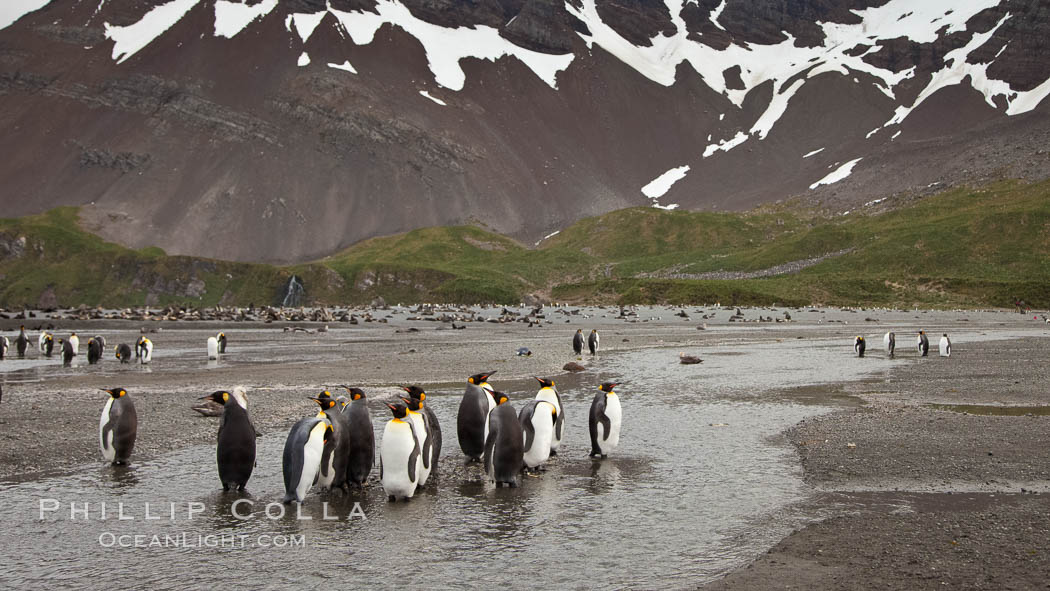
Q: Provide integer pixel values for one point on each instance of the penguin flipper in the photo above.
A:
(606, 425)
(490, 445)
(530, 432)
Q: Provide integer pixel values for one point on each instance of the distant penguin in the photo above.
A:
(74, 340)
(302, 456)
(592, 342)
(435, 426)
(505, 444)
(362, 438)
(550, 394)
(139, 346)
(332, 473)
(421, 427)
(945, 346)
(213, 348)
(399, 461)
(94, 351)
(22, 342)
(4, 345)
(117, 427)
(859, 345)
(123, 352)
(923, 343)
(221, 338)
(235, 445)
(537, 423)
(101, 341)
(472, 420)
(577, 341)
(67, 352)
(890, 341)
(605, 420)
(145, 350)
(41, 342)
(49, 345)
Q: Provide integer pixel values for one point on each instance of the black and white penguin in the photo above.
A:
(22, 342)
(94, 351)
(550, 394)
(923, 343)
(74, 341)
(67, 352)
(435, 426)
(4, 345)
(144, 350)
(41, 342)
(605, 420)
(101, 341)
(537, 423)
(117, 427)
(302, 456)
(362, 438)
(235, 445)
(399, 461)
(421, 427)
(577, 341)
(49, 345)
(123, 352)
(592, 342)
(213, 348)
(472, 420)
(221, 338)
(505, 443)
(890, 341)
(332, 472)
(945, 346)
(859, 345)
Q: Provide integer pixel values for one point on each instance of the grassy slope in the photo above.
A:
(965, 247)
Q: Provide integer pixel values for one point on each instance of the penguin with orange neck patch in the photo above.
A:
(605, 419)
(399, 459)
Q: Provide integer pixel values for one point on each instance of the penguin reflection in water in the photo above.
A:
(605, 420)
(399, 456)
(117, 427)
(235, 444)
(505, 444)
(302, 455)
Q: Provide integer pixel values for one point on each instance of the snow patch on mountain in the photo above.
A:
(127, 41)
(433, 98)
(345, 66)
(726, 145)
(232, 17)
(838, 174)
(813, 153)
(659, 186)
(12, 10)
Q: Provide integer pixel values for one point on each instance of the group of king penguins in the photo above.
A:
(922, 342)
(70, 347)
(592, 342)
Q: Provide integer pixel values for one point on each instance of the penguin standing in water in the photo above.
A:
(117, 427)
(592, 342)
(144, 350)
(302, 456)
(235, 445)
(68, 353)
(421, 427)
(923, 343)
(550, 394)
(890, 341)
(4, 345)
(362, 452)
(101, 341)
(505, 444)
(332, 472)
(123, 352)
(22, 342)
(473, 417)
(859, 345)
(42, 343)
(49, 345)
(94, 351)
(577, 342)
(432, 421)
(537, 423)
(74, 340)
(221, 338)
(605, 420)
(399, 460)
(945, 346)
(213, 348)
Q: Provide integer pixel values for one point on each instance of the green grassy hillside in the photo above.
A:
(966, 247)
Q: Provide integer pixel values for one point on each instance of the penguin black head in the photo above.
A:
(499, 397)
(342, 401)
(325, 395)
(607, 387)
(221, 396)
(355, 393)
(415, 392)
(579, 330)
(412, 403)
(860, 338)
(116, 392)
(399, 410)
(480, 378)
(922, 332)
(325, 403)
(945, 334)
(544, 382)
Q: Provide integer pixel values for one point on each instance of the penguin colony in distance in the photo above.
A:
(922, 342)
(117, 427)
(604, 420)
(399, 456)
(859, 345)
(235, 442)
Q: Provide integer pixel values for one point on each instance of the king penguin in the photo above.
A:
(4, 345)
(22, 342)
(923, 343)
(472, 420)
(221, 338)
(605, 420)
(145, 350)
(859, 345)
(117, 427)
(435, 426)
(577, 341)
(332, 472)
(592, 342)
(945, 346)
(49, 345)
(890, 341)
(421, 427)
(362, 438)
(74, 340)
(302, 456)
(213, 348)
(505, 444)
(41, 342)
(123, 352)
(67, 352)
(235, 445)
(94, 351)
(399, 461)
(550, 394)
(537, 423)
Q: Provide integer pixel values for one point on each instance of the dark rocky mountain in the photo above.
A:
(285, 130)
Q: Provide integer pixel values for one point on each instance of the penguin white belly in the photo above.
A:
(421, 435)
(326, 477)
(548, 395)
(311, 460)
(75, 341)
(147, 356)
(612, 410)
(213, 348)
(40, 342)
(945, 347)
(105, 440)
(543, 433)
(394, 455)
(492, 405)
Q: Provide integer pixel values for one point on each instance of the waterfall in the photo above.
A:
(294, 293)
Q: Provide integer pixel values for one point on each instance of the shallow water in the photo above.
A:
(694, 489)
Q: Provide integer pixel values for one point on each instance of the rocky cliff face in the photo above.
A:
(284, 130)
